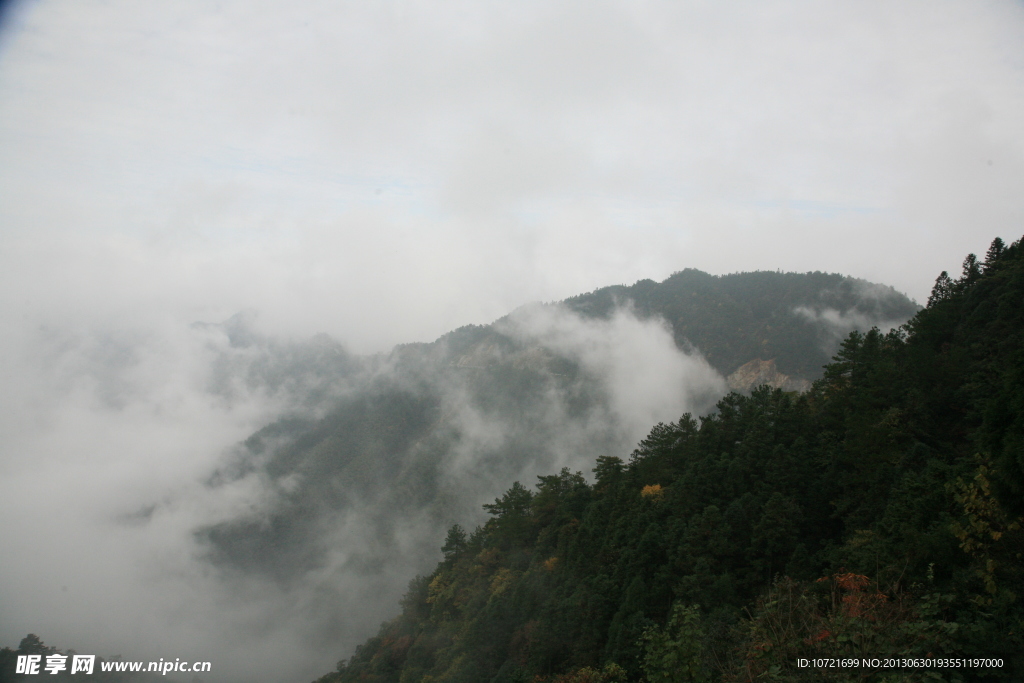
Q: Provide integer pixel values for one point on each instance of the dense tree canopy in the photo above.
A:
(734, 318)
(877, 514)
(382, 447)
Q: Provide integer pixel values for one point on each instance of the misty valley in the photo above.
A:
(703, 479)
(511, 342)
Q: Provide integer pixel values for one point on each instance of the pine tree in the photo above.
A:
(942, 289)
(454, 544)
(972, 270)
(995, 251)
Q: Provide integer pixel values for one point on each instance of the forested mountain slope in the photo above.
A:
(404, 444)
(876, 515)
(796, 318)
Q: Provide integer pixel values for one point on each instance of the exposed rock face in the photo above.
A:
(758, 372)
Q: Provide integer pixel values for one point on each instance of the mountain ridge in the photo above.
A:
(385, 452)
(878, 515)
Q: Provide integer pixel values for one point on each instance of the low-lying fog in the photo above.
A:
(116, 434)
(385, 173)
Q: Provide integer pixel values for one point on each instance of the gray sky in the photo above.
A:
(386, 172)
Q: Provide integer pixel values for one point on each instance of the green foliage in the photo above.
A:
(842, 616)
(383, 446)
(675, 654)
(878, 514)
(735, 318)
(455, 544)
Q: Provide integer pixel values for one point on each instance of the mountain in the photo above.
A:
(379, 455)
(796, 319)
(877, 515)
(433, 428)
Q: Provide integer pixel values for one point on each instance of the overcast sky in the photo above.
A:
(385, 172)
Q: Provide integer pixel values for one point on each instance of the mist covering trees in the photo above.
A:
(877, 515)
(374, 457)
(385, 448)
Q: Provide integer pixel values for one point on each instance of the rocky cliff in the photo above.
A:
(758, 372)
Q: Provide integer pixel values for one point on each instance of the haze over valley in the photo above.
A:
(288, 290)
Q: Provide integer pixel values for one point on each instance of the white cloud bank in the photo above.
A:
(112, 433)
(387, 172)
(433, 165)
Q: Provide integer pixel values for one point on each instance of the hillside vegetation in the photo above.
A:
(877, 515)
(798, 319)
(430, 431)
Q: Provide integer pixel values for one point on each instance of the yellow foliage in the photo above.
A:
(551, 563)
(435, 589)
(652, 491)
(983, 522)
(501, 581)
(486, 561)
(489, 557)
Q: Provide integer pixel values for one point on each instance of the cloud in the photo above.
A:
(876, 305)
(251, 155)
(101, 469)
(835, 325)
(385, 173)
(131, 452)
(647, 379)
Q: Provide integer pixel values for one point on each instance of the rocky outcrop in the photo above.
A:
(758, 372)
